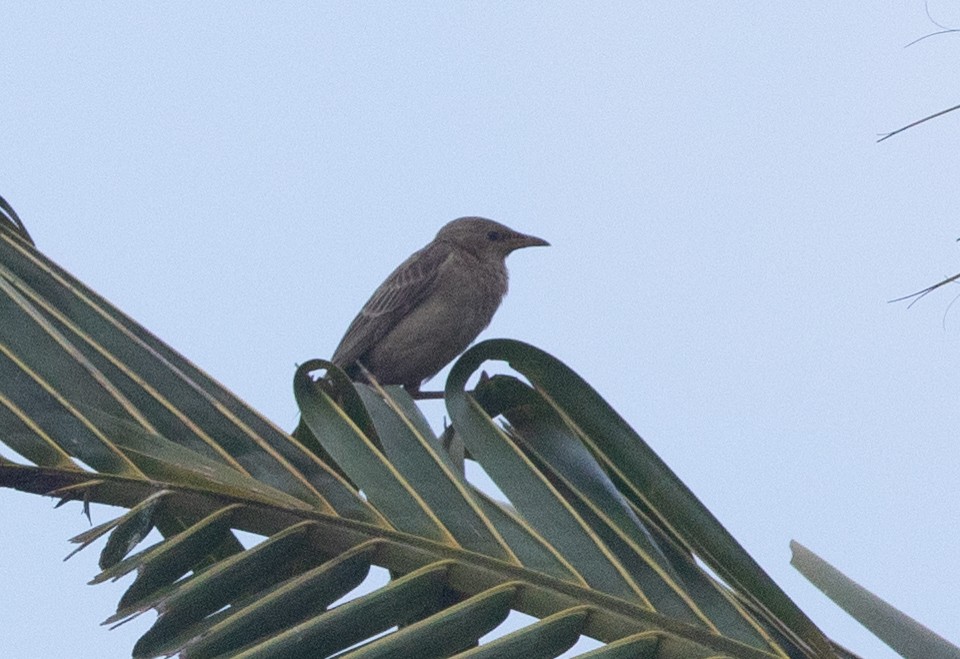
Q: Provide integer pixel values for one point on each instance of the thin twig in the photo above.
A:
(943, 28)
(917, 123)
(919, 295)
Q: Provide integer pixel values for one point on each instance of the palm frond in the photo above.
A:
(599, 537)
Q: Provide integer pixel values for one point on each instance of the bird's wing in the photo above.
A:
(400, 293)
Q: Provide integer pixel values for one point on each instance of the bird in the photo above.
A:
(428, 310)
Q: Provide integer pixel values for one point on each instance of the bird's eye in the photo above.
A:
(493, 235)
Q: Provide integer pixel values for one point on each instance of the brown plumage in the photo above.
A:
(433, 305)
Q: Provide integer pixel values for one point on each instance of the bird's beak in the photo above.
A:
(521, 240)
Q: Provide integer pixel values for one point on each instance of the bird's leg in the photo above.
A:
(416, 394)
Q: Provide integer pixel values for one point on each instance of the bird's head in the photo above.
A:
(486, 238)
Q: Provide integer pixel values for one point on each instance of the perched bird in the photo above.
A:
(433, 305)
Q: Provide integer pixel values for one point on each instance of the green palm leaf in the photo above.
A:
(599, 537)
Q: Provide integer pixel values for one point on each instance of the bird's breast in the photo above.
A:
(465, 295)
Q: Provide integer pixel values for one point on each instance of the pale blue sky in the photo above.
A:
(726, 234)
